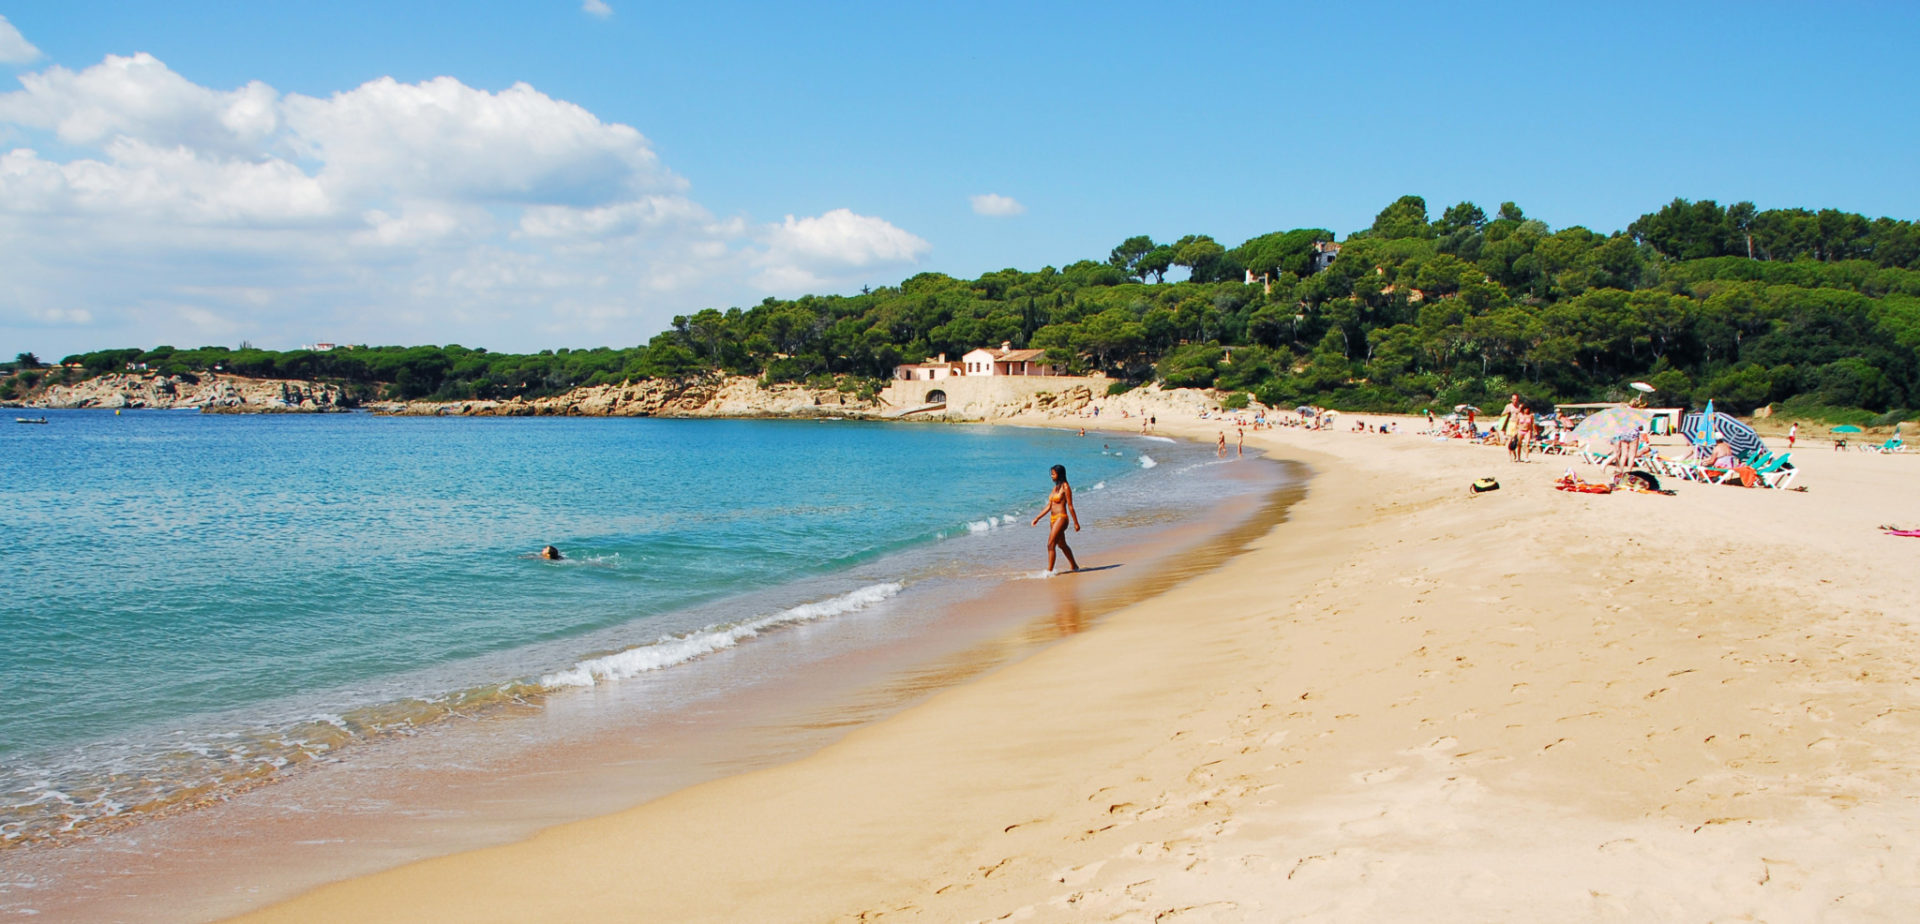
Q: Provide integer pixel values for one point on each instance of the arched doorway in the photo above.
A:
(936, 396)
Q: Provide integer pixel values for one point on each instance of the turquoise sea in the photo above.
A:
(193, 602)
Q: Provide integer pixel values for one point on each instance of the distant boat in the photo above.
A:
(39, 420)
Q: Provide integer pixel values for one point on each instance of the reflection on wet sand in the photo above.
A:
(1069, 618)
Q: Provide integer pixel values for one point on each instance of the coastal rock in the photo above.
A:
(695, 396)
(210, 392)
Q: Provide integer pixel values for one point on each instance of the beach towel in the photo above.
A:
(1574, 484)
(1904, 532)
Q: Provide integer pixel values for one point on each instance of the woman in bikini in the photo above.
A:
(1060, 509)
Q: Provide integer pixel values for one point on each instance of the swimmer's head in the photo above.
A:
(550, 553)
(1059, 474)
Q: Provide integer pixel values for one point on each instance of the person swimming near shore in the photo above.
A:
(552, 554)
(1060, 509)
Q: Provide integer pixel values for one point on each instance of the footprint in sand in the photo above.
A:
(1382, 775)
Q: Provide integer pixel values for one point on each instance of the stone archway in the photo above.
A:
(936, 396)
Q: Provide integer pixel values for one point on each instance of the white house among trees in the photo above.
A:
(1004, 361)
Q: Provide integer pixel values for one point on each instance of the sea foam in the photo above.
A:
(680, 649)
(1146, 461)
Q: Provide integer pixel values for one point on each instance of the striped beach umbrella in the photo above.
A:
(1709, 427)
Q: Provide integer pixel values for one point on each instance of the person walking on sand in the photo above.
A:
(1240, 443)
(1059, 510)
(1792, 432)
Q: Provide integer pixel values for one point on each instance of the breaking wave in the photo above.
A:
(680, 649)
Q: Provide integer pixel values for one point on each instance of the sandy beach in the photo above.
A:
(1404, 702)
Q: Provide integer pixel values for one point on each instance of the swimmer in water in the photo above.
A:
(551, 554)
(1060, 509)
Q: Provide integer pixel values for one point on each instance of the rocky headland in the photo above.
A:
(207, 391)
(695, 396)
(699, 396)
(744, 396)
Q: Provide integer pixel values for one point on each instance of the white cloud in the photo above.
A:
(814, 251)
(140, 97)
(15, 49)
(596, 8)
(996, 205)
(390, 212)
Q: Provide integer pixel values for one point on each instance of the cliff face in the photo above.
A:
(710, 396)
(213, 393)
(707, 396)
(740, 396)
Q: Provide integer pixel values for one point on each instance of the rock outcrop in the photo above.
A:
(209, 392)
(700, 396)
(696, 396)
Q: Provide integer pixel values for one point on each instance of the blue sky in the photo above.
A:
(666, 157)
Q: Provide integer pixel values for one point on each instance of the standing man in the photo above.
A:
(1792, 432)
(1510, 426)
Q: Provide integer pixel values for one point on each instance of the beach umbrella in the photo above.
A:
(1723, 426)
(1847, 428)
(1612, 423)
(1642, 387)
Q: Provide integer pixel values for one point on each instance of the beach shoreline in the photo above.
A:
(1404, 702)
(518, 788)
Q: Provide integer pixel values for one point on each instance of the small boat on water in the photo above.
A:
(34, 420)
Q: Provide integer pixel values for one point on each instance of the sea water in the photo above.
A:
(192, 604)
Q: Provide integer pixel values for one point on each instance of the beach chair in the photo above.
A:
(1685, 469)
(1777, 471)
(1893, 445)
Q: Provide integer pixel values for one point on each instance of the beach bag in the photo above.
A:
(1483, 485)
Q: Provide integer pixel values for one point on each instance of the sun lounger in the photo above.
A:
(1687, 469)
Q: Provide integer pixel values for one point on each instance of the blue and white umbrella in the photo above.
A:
(1705, 428)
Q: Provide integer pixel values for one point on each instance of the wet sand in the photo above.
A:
(1405, 702)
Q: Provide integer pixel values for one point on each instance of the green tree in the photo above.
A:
(1406, 217)
(1201, 255)
(1126, 257)
(1464, 216)
(1155, 263)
